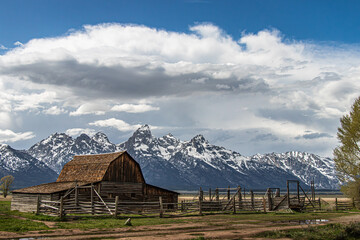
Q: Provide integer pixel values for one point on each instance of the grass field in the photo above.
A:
(29, 224)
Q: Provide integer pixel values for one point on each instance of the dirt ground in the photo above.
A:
(208, 227)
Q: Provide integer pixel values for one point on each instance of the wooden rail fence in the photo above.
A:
(221, 200)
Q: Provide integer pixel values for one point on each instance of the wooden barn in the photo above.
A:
(106, 175)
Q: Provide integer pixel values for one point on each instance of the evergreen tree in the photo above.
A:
(347, 155)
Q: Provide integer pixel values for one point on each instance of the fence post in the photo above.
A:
(239, 196)
(92, 199)
(336, 204)
(252, 199)
(228, 193)
(288, 193)
(269, 199)
(217, 194)
(182, 206)
(298, 191)
(353, 203)
(319, 204)
(61, 208)
(38, 205)
(116, 205)
(76, 195)
(201, 194)
(234, 205)
(210, 194)
(277, 193)
(264, 204)
(161, 207)
(200, 205)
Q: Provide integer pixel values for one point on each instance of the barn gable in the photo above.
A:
(117, 167)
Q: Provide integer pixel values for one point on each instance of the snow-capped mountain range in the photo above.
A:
(171, 163)
(27, 170)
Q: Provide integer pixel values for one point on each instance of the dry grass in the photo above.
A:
(8, 198)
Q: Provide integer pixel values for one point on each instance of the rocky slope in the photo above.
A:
(197, 163)
(59, 148)
(27, 170)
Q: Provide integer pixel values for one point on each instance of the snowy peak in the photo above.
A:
(26, 169)
(143, 131)
(169, 141)
(199, 143)
(58, 149)
(170, 162)
(56, 139)
(4, 147)
(304, 166)
(101, 138)
(199, 139)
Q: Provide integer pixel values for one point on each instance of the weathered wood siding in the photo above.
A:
(153, 193)
(125, 191)
(26, 202)
(124, 169)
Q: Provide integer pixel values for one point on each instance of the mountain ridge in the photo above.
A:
(171, 163)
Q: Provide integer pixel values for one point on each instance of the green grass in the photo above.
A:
(327, 232)
(11, 224)
(5, 209)
(10, 221)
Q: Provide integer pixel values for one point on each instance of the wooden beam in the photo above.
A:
(103, 201)
(116, 205)
(61, 208)
(288, 193)
(37, 205)
(161, 207)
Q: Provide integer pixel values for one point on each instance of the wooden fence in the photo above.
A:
(341, 205)
(223, 200)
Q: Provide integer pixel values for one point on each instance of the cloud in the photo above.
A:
(115, 123)
(203, 78)
(78, 131)
(17, 43)
(314, 135)
(90, 108)
(54, 110)
(133, 108)
(264, 137)
(121, 60)
(2, 47)
(10, 136)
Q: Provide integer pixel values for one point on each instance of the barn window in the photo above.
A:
(133, 195)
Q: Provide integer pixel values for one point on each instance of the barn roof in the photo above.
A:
(48, 188)
(89, 168)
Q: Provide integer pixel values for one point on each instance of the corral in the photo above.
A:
(89, 182)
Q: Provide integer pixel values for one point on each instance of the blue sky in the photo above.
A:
(253, 76)
(338, 21)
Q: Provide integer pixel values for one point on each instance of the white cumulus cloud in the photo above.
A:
(115, 123)
(134, 108)
(78, 131)
(286, 87)
(10, 136)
